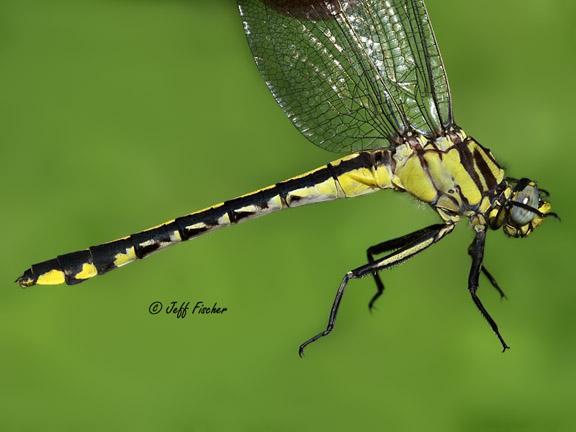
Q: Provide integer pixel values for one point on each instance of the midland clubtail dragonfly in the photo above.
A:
(362, 77)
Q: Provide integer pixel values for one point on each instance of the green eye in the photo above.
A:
(529, 196)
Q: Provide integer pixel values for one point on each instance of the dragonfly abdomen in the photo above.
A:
(354, 175)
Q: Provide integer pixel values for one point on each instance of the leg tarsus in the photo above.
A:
(490, 320)
(376, 296)
(333, 314)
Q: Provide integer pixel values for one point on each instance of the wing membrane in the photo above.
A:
(350, 74)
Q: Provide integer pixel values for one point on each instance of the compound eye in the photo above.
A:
(529, 196)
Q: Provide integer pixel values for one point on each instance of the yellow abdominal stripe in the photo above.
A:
(57, 277)
(121, 259)
(383, 176)
(52, 277)
(324, 191)
(358, 182)
(329, 189)
(88, 271)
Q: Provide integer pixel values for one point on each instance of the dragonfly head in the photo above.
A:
(525, 207)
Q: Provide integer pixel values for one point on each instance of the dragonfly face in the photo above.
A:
(523, 209)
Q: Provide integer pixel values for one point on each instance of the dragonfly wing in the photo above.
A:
(350, 74)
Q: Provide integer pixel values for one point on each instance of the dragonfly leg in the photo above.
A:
(377, 279)
(490, 278)
(417, 243)
(387, 246)
(333, 313)
(476, 251)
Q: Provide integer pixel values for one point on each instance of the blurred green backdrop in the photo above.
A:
(116, 115)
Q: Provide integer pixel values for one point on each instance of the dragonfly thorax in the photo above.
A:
(456, 175)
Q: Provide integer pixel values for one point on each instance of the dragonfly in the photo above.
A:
(364, 78)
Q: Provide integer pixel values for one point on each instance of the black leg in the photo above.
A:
(424, 239)
(490, 278)
(476, 251)
(387, 246)
(377, 280)
(333, 313)
(493, 282)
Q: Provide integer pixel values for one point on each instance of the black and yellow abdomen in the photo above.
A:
(354, 175)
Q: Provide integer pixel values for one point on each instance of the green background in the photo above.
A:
(118, 115)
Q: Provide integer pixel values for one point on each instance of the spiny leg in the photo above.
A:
(333, 312)
(493, 282)
(387, 246)
(490, 278)
(427, 237)
(476, 251)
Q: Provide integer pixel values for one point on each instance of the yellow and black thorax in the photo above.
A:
(454, 174)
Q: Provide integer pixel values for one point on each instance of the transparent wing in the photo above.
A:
(350, 74)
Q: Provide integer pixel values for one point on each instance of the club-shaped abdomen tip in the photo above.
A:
(27, 279)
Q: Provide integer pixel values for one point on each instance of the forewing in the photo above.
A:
(350, 74)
